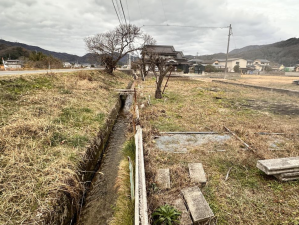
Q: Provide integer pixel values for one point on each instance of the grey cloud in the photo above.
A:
(62, 25)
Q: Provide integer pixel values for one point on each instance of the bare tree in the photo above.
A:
(113, 45)
(159, 63)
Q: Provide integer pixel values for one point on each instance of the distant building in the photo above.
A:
(260, 64)
(195, 61)
(86, 65)
(173, 57)
(289, 69)
(281, 68)
(231, 63)
(67, 64)
(274, 66)
(249, 62)
(13, 64)
(77, 65)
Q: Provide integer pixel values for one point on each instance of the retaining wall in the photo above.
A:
(292, 74)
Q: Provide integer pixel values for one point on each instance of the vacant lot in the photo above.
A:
(269, 81)
(46, 123)
(248, 196)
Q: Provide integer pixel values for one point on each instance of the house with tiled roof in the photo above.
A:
(260, 64)
(175, 58)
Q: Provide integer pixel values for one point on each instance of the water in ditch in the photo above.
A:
(101, 198)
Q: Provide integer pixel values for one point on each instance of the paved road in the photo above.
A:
(24, 72)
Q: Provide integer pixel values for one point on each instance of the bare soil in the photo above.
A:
(282, 82)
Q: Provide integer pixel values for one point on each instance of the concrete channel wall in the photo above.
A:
(284, 91)
(141, 210)
(292, 74)
(68, 205)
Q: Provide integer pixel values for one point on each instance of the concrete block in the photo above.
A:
(163, 178)
(278, 166)
(185, 217)
(198, 207)
(197, 173)
(287, 176)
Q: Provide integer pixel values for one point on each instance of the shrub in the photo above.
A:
(237, 68)
(166, 215)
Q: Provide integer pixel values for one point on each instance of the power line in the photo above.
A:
(119, 10)
(128, 11)
(116, 12)
(123, 11)
(167, 25)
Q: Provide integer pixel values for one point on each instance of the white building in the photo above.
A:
(13, 64)
(231, 63)
(67, 64)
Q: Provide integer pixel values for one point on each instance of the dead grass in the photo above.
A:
(124, 209)
(46, 123)
(248, 196)
(282, 82)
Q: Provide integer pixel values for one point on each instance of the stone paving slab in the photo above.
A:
(287, 176)
(198, 207)
(163, 178)
(180, 143)
(197, 173)
(278, 166)
(185, 217)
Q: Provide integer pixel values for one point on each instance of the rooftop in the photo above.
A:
(164, 49)
(263, 60)
(223, 60)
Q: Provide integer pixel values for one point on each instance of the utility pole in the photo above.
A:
(129, 66)
(229, 34)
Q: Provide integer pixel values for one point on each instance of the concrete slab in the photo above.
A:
(185, 217)
(198, 207)
(180, 143)
(278, 166)
(287, 176)
(163, 178)
(197, 173)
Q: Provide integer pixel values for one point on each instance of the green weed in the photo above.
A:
(78, 141)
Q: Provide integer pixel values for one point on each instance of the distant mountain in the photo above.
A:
(15, 49)
(62, 56)
(283, 52)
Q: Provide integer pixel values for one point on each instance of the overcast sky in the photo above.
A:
(61, 25)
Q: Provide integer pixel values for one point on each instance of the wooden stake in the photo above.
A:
(166, 82)
(228, 173)
(244, 143)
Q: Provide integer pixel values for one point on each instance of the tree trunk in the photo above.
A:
(109, 70)
(158, 93)
(141, 73)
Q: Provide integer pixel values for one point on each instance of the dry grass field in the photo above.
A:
(269, 81)
(248, 196)
(46, 122)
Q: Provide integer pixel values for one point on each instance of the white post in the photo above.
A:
(129, 66)
(4, 64)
